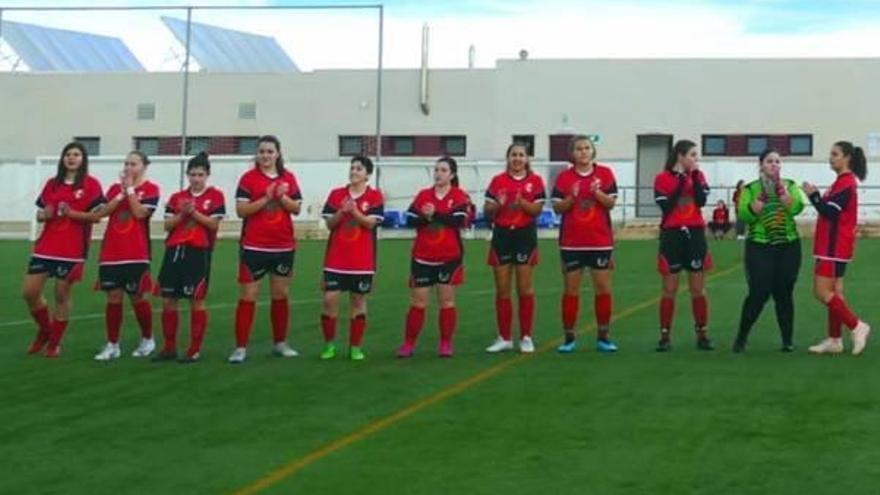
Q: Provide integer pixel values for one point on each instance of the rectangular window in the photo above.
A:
(401, 146)
(147, 145)
(195, 145)
(246, 145)
(755, 145)
(247, 111)
(351, 145)
(526, 139)
(146, 111)
(453, 145)
(559, 147)
(714, 145)
(800, 145)
(91, 144)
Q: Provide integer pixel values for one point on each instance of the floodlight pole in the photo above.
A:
(379, 84)
(184, 111)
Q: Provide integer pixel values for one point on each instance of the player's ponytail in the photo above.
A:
(453, 169)
(83, 170)
(279, 163)
(858, 164)
(681, 148)
(199, 161)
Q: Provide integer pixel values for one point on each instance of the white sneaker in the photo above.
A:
(109, 352)
(145, 348)
(526, 346)
(860, 337)
(828, 346)
(500, 345)
(238, 355)
(283, 350)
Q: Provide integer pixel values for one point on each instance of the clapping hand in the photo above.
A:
(810, 188)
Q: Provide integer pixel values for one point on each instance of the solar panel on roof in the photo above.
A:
(50, 49)
(225, 50)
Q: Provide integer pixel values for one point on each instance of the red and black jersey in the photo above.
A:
(270, 229)
(681, 198)
(587, 225)
(504, 189)
(127, 239)
(351, 248)
(64, 239)
(189, 232)
(721, 215)
(438, 239)
(838, 218)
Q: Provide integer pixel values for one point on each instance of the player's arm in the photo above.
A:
(291, 205)
(415, 218)
(607, 197)
(457, 218)
(830, 208)
(701, 188)
(491, 202)
(110, 206)
(210, 222)
(749, 207)
(246, 205)
(366, 220)
(140, 210)
(665, 198)
(562, 202)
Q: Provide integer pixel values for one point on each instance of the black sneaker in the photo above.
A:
(787, 348)
(739, 347)
(165, 356)
(665, 345)
(705, 344)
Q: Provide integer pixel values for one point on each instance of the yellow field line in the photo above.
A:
(297, 465)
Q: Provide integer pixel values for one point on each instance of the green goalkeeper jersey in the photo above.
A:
(775, 224)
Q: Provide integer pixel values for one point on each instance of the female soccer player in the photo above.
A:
(720, 223)
(437, 213)
(124, 262)
(267, 196)
(192, 217)
(67, 206)
(680, 191)
(584, 195)
(514, 199)
(352, 213)
(834, 245)
(773, 248)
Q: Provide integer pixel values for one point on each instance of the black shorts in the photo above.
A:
(254, 265)
(361, 283)
(514, 246)
(423, 275)
(573, 260)
(70, 271)
(133, 278)
(683, 249)
(185, 273)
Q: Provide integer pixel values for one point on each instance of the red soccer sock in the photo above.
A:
(835, 326)
(570, 306)
(504, 316)
(244, 322)
(58, 329)
(198, 322)
(144, 313)
(415, 320)
(113, 320)
(357, 328)
(170, 318)
(44, 323)
(448, 319)
(602, 306)
(842, 312)
(526, 314)
(280, 319)
(328, 327)
(700, 308)
(667, 310)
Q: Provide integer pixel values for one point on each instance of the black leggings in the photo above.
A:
(770, 270)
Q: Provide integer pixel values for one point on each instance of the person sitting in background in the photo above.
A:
(720, 224)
